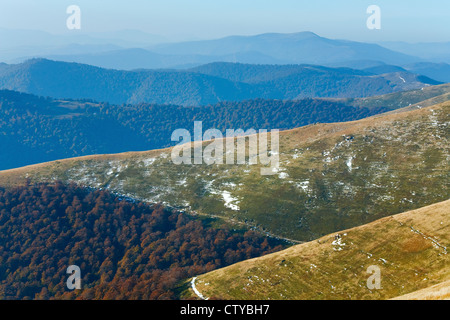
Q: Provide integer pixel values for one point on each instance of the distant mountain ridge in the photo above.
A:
(200, 86)
(296, 48)
(269, 48)
(430, 51)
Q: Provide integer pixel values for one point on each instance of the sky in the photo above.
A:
(401, 20)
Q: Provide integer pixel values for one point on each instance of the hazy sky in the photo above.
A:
(405, 20)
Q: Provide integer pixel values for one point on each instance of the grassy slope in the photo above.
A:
(410, 248)
(332, 176)
(439, 291)
(403, 99)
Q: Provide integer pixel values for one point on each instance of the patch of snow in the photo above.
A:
(338, 244)
(185, 203)
(326, 155)
(194, 288)
(349, 163)
(283, 175)
(297, 154)
(304, 185)
(229, 199)
(433, 118)
(149, 161)
(230, 184)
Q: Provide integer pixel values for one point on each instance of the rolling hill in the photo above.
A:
(34, 130)
(410, 249)
(225, 82)
(439, 291)
(437, 71)
(331, 176)
(423, 97)
(77, 81)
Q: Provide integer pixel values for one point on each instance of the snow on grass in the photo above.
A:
(297, 154)
(349, 163)
(326, 155)
(149, 161)
(304, 185)
(230, 184)
(338, 244)
(229, 199)
(282, 175)
(194, 288)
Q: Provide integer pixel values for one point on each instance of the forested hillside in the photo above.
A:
(34, 130)
(125, 249)
(207, 85)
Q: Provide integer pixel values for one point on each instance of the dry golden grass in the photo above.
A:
(331, 130)
(437, 292)
(416, 244)
(410, 248)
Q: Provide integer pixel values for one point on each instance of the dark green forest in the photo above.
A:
(35, 130)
